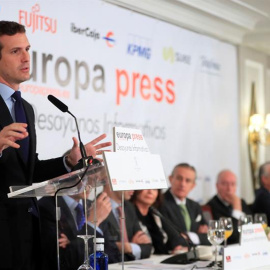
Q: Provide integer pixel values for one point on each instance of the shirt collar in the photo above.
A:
(114, 204)
(6, 91)
(224, 202)
(71, 203)
(177, 200)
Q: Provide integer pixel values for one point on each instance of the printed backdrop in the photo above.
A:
(114, 67)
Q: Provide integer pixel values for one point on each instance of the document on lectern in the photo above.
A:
(134, 171)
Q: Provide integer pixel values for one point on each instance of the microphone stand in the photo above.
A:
(183, 258)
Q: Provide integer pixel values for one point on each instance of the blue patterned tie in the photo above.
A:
(21, 118)
(80, 218)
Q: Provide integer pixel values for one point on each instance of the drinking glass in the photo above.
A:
(261, 218)
(245, 219)
(228, 226)
(85, 265)
(215, 236)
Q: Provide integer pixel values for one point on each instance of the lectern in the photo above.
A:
(73, 184)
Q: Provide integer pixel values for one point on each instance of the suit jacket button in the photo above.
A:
(30, 210)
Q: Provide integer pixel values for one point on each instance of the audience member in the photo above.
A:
(165, 239)
(137, 244)
(262, 196)
(19, 163)
(71, 224)
(183, 212)
(227, 204)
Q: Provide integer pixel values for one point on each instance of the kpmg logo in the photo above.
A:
(85, 31)
(171, 56)
(139, 46)
(37, 21)
(109, 38)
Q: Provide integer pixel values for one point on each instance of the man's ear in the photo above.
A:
(170, 178)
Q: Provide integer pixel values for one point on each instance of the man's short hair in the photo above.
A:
(184, 165)
(262, 171)
(10, 28)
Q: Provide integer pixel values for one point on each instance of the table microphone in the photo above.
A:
(183, 258)
(84, 161)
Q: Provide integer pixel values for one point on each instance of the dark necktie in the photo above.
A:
(80, 218)
(21, 118)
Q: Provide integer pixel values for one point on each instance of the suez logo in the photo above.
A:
(129, 136)
(139, 46)
(170, 55)
(140, 85)
(37, 21)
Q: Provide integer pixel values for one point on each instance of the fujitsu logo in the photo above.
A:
(36, 21)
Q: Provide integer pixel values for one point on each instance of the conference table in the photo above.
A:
(154, 263)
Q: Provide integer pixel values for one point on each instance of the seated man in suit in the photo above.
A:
(184, 213)
(137, 244)
(262, 196)
(71, 224)
(227, 204)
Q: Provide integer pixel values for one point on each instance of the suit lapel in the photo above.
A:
(5, 118)
(176, 211)
(32, 137)
(191, 214)
(113, 226)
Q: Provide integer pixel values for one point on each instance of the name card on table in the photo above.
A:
(134, 171)
(254, 250)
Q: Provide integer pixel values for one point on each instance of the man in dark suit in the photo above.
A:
(137, 244)
(262, 196)
(19, 163)
(71, 248)
(227, 204)
(184, 213)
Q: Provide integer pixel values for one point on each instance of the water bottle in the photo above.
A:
(101, 257)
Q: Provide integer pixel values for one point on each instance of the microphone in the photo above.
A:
(183, 258)
(84, 161)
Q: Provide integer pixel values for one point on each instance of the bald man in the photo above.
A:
(262, 199)
(227, 204)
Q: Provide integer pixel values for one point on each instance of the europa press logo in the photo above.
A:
(37, 21)
(110, 40)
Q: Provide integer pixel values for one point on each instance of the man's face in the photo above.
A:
(15, 60)
(127, 195)
(182, 182)
(147, 196)
(226, 185)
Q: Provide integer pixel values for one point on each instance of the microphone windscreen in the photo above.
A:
(59, 104)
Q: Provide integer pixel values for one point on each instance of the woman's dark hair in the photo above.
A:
(156, 204)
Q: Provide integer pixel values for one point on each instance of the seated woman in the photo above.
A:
(164, 239)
